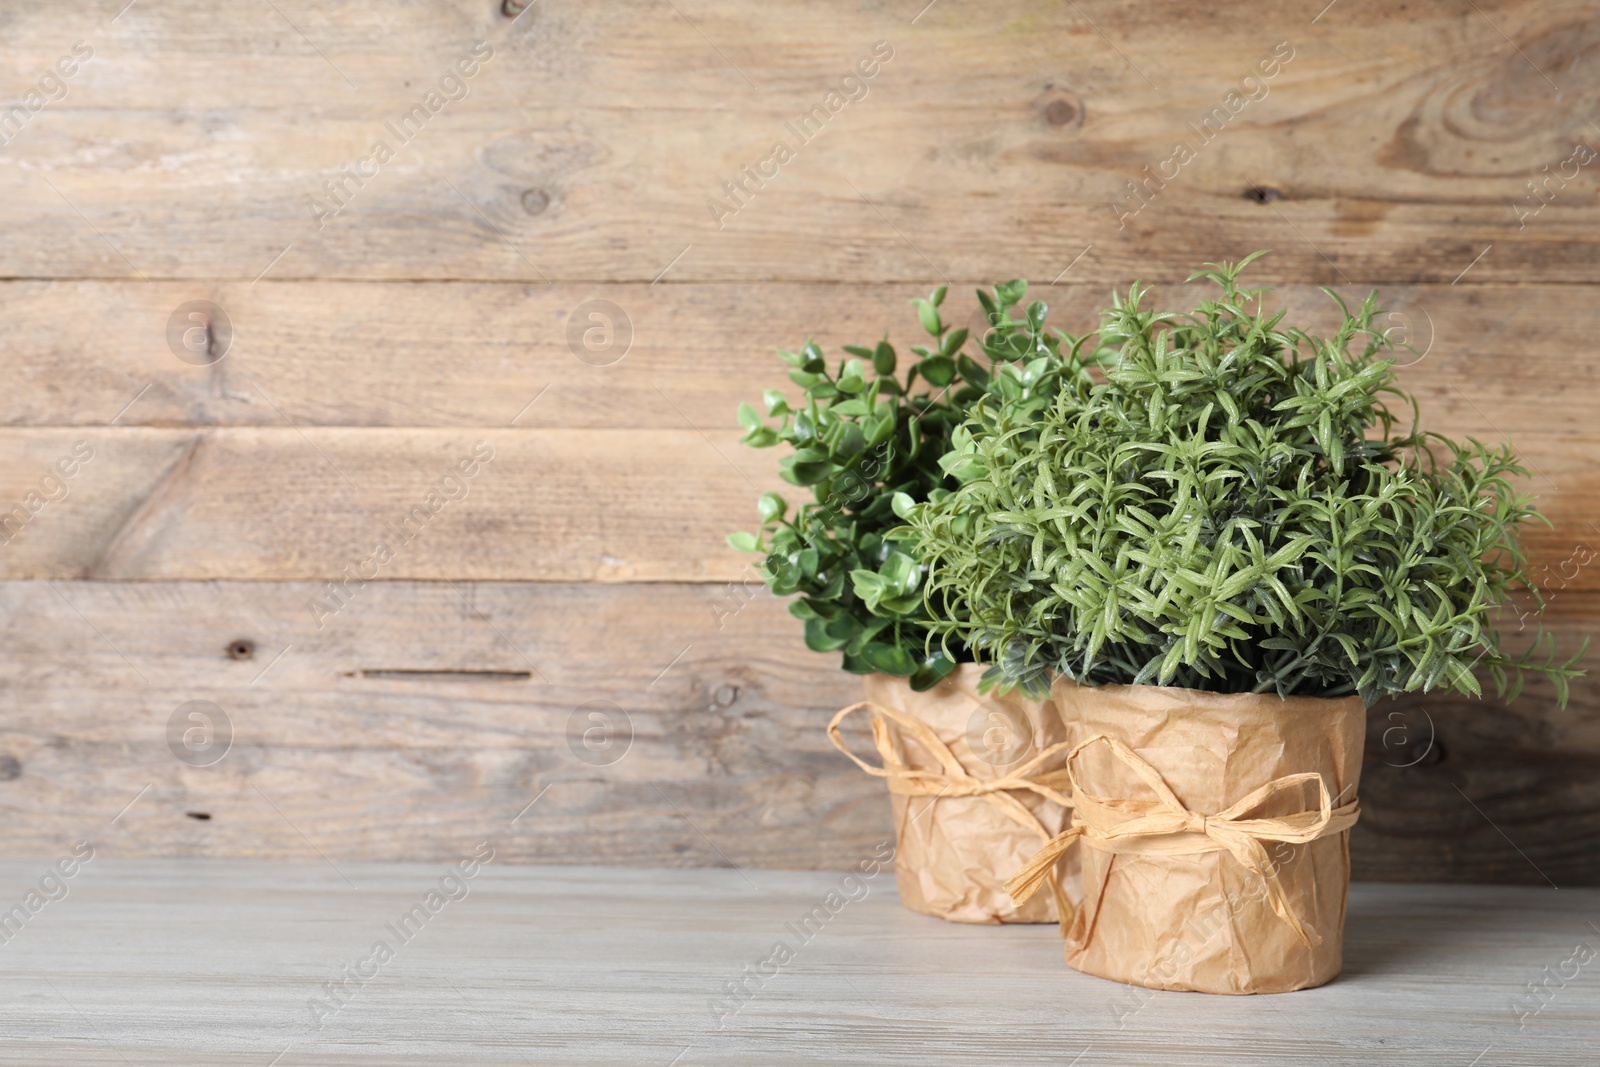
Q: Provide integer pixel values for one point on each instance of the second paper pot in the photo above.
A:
(1213, 836)
(976, 785)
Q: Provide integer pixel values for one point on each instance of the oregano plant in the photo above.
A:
(872, 429)
(1240, 506)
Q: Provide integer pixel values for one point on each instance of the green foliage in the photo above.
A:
(867, 440)
(1233, 509)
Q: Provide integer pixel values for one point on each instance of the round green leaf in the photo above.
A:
(890, 659)
(771, 506)
(940, 371)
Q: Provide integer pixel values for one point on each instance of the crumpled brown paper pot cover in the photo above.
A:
(976, 788)
(1213, 836)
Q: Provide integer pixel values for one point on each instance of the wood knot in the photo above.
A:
(10, 768)
(534, 201)
(1064, 109)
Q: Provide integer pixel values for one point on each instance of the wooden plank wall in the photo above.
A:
(394, 312)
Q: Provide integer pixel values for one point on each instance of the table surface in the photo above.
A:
(207, 962)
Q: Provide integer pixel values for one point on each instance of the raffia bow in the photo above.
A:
(1165, 827)
(954, 780)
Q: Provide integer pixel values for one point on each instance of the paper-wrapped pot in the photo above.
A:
(1213, 836)
(976, 787)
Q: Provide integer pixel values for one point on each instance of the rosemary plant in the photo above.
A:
(863, 436)
(1235, 508)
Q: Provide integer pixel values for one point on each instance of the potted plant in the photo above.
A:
(1228, 548)
(973, 777)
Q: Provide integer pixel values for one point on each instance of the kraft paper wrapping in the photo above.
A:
(963, 829)
(1213, 836)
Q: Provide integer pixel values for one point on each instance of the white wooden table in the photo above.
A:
(205, 962)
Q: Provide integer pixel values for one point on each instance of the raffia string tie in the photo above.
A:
(1164, 827)
(954, 780)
